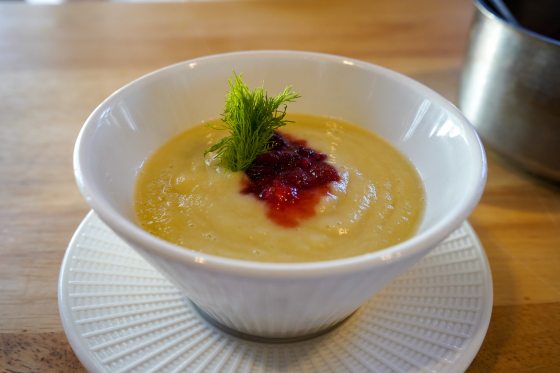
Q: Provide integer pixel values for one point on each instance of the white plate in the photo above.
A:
(120, 314)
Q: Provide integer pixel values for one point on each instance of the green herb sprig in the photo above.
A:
(251, 118)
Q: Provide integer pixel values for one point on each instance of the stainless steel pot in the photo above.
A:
(510, 89)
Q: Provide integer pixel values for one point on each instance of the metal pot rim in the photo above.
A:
(483, 8)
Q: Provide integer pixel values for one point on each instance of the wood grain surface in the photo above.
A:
(58, 62)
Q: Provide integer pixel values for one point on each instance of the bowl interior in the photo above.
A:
(126, 128)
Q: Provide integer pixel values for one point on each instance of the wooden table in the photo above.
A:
(58, 62)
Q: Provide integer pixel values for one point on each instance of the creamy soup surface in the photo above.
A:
(186, 198)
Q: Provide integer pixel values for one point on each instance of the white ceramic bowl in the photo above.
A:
(266, 299)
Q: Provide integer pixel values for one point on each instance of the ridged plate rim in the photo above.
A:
(86, 356)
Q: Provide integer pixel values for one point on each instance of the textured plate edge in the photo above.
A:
(74, 338)
(76, 341)
(466, 359)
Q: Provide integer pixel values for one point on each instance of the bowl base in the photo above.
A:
(262, 339)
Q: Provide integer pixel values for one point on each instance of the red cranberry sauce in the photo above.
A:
(291, 178)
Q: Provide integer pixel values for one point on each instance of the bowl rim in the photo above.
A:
(419, 244)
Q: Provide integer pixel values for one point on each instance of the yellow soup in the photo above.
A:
(189, 200)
